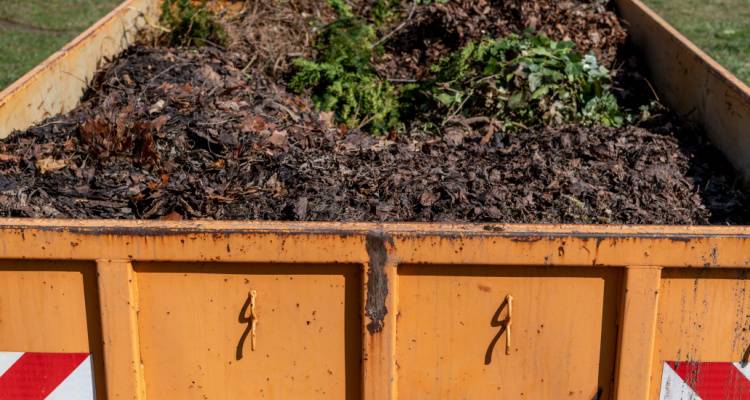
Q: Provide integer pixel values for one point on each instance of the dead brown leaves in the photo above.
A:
(49, 164)
(125, 134)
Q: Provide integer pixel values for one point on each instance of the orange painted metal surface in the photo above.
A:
(451, 343)
(374, 311)
(196, 333)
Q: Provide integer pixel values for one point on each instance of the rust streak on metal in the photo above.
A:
(526, 239)
(377, 280)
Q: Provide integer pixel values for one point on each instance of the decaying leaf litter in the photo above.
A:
(213, 132)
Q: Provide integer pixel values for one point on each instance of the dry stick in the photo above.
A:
(489, 134)
(652, 90)
(458, 110)
(399, 27)
(149, 22)
(252, 60)
(218, 46)
(366, 121)
(467, 122)
(57, 123)
(477, 120)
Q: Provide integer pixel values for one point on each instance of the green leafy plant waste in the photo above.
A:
(190, 24)
(526, 80)
(518, 81)
(343, 79)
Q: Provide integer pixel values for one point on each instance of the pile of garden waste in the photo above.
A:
(518, 111)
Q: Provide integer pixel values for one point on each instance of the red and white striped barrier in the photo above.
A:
(51, 376)
(691, 380)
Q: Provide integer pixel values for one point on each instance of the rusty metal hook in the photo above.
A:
(504, 326)
(508, 322)
(253, 319)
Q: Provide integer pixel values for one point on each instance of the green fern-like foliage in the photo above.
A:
(347, 42)
(341, 8)
(384, 11)
(359, 99)
(526, 80)
(190, 24)
(343, 80)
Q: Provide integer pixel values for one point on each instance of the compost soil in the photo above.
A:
(211, 133)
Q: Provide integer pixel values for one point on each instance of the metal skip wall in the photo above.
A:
(325, 310)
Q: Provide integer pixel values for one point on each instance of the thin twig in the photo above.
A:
(518, 125)
(218, 46)
(252, 60)
(458, 121)
(458, 110)
(57, 123)
(489, 134)
(477, 120)
(222, 122)
(652, 90)
(75, 76)
(467, 122)
(399, 27)
(365, 122)
(149, 22)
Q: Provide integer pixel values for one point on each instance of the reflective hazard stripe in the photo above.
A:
(78, 385)
(705, 381)
(673, 387)
(7, 359)
(38, 376)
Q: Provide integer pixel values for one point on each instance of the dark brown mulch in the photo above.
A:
(180, 133)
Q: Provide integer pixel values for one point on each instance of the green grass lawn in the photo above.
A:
(719, 27)
(31, 30)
